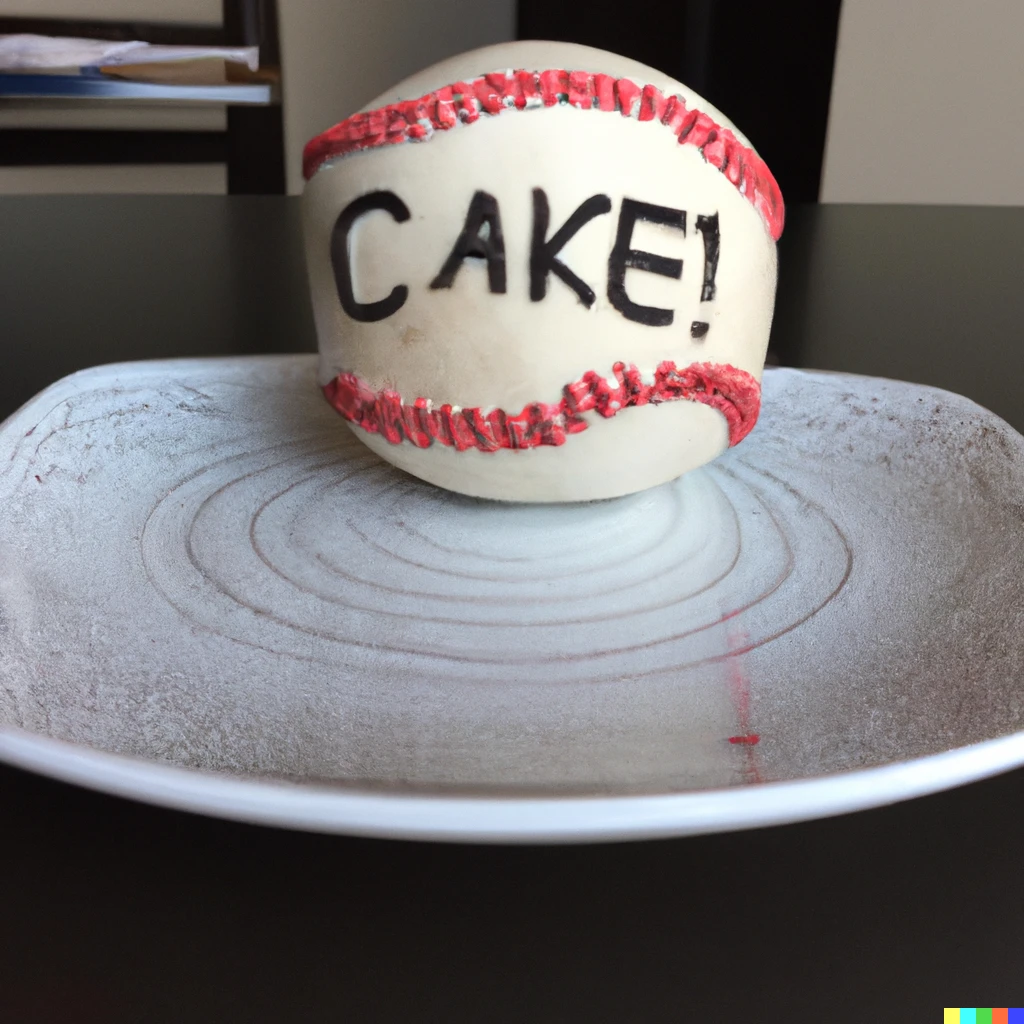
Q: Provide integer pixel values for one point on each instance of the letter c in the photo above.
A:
(365, 312)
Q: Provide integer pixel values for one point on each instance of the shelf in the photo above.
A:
(88, 87)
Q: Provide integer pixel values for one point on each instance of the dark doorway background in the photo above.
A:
(767, 66)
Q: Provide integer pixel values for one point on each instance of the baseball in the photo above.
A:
(541, 272)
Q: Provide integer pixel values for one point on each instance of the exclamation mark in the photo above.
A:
(708, 227)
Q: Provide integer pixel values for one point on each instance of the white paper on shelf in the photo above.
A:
(48, 53)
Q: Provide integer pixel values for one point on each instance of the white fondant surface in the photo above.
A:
(471, 348)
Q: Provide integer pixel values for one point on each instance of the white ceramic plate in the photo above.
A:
(213, 597)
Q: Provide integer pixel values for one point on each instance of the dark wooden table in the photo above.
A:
(115, 911)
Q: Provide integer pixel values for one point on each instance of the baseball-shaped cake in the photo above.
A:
(541, 272)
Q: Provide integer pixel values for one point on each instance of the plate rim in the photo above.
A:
(506, 819)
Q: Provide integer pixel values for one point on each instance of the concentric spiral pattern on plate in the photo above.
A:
(318, 550)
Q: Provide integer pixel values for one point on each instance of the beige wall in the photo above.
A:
(927, 103)
(338, 54)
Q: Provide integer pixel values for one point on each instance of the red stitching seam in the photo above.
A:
(464, 102)
(733, 392)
